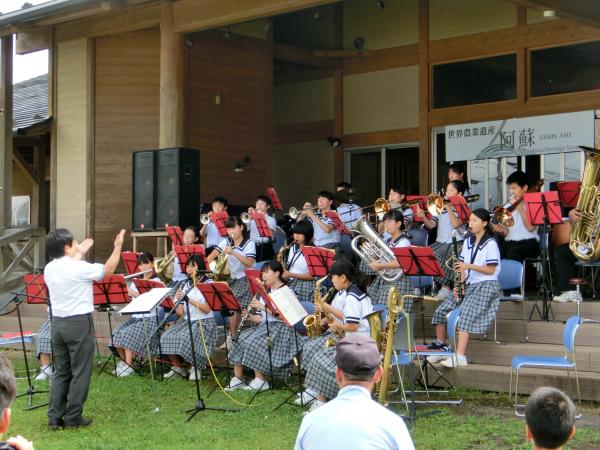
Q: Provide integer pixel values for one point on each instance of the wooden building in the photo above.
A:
(272, 80)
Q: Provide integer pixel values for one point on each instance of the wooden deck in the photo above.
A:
(489, 367)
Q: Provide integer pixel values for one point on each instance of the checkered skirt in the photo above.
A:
(133, 334)
(364, 268)
(241, 291)
(478, 308)
(379, 290)
(251, 348)
(320, 372)
(176, 341)
(311, 347)
(43, 339)
(442, 252)
(304, 289)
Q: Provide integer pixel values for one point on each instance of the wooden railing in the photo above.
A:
(22, 250)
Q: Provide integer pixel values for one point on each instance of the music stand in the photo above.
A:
(337, 222)
(219, 219)
(460, 206)
(130, 262)
(36, 292)
(421, 204)
(318, 259)
(175, 234)
(185, 251)
(543, 210)
(568, 192)
(261, 225)
(272, 193)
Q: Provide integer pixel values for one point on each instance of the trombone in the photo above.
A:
(381, 206)
(435, 203)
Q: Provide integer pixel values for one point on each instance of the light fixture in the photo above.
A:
(228, 32)
(268, 24)
(380, 4)
(334, 141)
(549, 13)
(240, 166)
(317, 14)
(358, 43)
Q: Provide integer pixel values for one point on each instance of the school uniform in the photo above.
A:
(319, 360)
(178, 274)
(349, 214)
(138, 329)
(379, 289)
(70, 287)
(442, 247)
(239, 284)
(322, 238)
(264, 245)
(176, 340)
(213, 237)
(43, 339)
(296, 263)
(251, 350)
(482, 292)
(520, 243)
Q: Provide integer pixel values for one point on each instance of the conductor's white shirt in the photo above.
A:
(351, 421)
(70, 287)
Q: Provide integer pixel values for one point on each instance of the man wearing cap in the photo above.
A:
(353, 420)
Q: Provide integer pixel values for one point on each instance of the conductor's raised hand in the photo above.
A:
(120, 239)
(83, 247)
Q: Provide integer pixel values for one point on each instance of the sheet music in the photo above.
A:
(288, 305)
(146, 302)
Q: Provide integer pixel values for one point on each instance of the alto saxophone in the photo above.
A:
(282, 255)
(458, 285)
(314, 322)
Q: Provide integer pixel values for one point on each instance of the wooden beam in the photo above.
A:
(521, 16)
(6, 138)
(400, 136)
(33, 41)
(114, 22)
(304, 56)
(295, 133)
(344, 53)
(585, 12)
(90, 150)
(389, 58)
(424, 102)
(338, 126)
(172, 81)
(197, 15)
(27, 170)
(292, 74)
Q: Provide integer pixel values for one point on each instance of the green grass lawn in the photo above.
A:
(124, 418)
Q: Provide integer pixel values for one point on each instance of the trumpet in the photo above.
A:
(435, 203)
(246, 217)
(294, 212)
(205, 218)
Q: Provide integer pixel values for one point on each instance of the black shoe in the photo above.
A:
(437, 345)
(78, 423)
(55, 424)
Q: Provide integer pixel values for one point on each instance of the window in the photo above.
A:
(476, 81)
(571, 68)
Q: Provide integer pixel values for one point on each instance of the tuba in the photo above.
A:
(370, 247)
(584, 242)
(314, 322)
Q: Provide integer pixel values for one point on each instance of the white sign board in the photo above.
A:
(536, 135)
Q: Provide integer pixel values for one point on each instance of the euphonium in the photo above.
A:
(371, 247)
(314, 322)
(220, 271)
(282, 256)
(164, 267)
(585, 240)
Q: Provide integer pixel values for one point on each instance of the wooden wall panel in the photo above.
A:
(383, 100)
(127, 119)
(21, 185)
(460, 17)
(299, 171)
(239, 126)
(303, 102)
(72, 136)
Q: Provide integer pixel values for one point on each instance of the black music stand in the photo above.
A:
(318, 259)
(184, 252)
(175, 234)
(36, 292)
(543, 210)
(112, 290)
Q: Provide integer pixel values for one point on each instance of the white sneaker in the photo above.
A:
(315, 405)
(305, 398)
(45, 374)
(443, 293)
(436, 359)
(176, 372)
(257, 385)
(567, 296)
(234, 384)
(227, 344)
(455, 361)
(194, 374)
(125, 372)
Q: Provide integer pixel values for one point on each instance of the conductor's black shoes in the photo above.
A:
(55, 424)
(78, 423)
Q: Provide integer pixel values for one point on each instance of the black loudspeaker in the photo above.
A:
(177, 187)
(143, 190)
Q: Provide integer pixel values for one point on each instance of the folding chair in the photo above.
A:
(403, 354)
(422, 283)
(418, 236)
(567, 362)
(511, 276)
(14, 338)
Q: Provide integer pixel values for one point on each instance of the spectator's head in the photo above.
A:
(8, 390)
(358, 361)
(59, 243)
(550, 418)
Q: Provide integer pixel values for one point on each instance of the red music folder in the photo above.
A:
(422, 204)
(219, 219)
(144, 286)
(130, 262)
(568, 192)
(219, 297)
(543, 208)
(418, 261)
(337, 222)
(36, 290)
(252, 274)
(185, 251)
(175, 234)
(272, 193)
(460, 206)
(112, 290)
(318, 259)
(261, 224)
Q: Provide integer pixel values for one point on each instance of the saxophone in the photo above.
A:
(314, 322)
(458, 285)
(220, 271)
(282, 255)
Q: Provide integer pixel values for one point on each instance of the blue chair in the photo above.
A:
(423, 282)
(512, 276)
(567, 361)
(418, 236)
(383, 310)
(279, 239)
(403, 354)
(310, 308)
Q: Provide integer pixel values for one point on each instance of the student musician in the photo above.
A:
(325, 234)
(251, 349)
(445, 223)
(190, 237)
(297, 274)
(241, 254)
(397, 196)
(175, 342)
(210, 232)
(264, 245)
(43, 346)
(348, 308)
(129, 339)
(479, 265)
(456, 171)
(378, 291)
(521, 240)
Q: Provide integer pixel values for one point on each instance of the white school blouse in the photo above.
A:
(355, 305)
(349, 213)
(212, 235)
(323, 238)
(254, 235)
(445, 228)
(295, 260)
(518, 232)
(486, 253)
(246, 248)
(195, 313)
